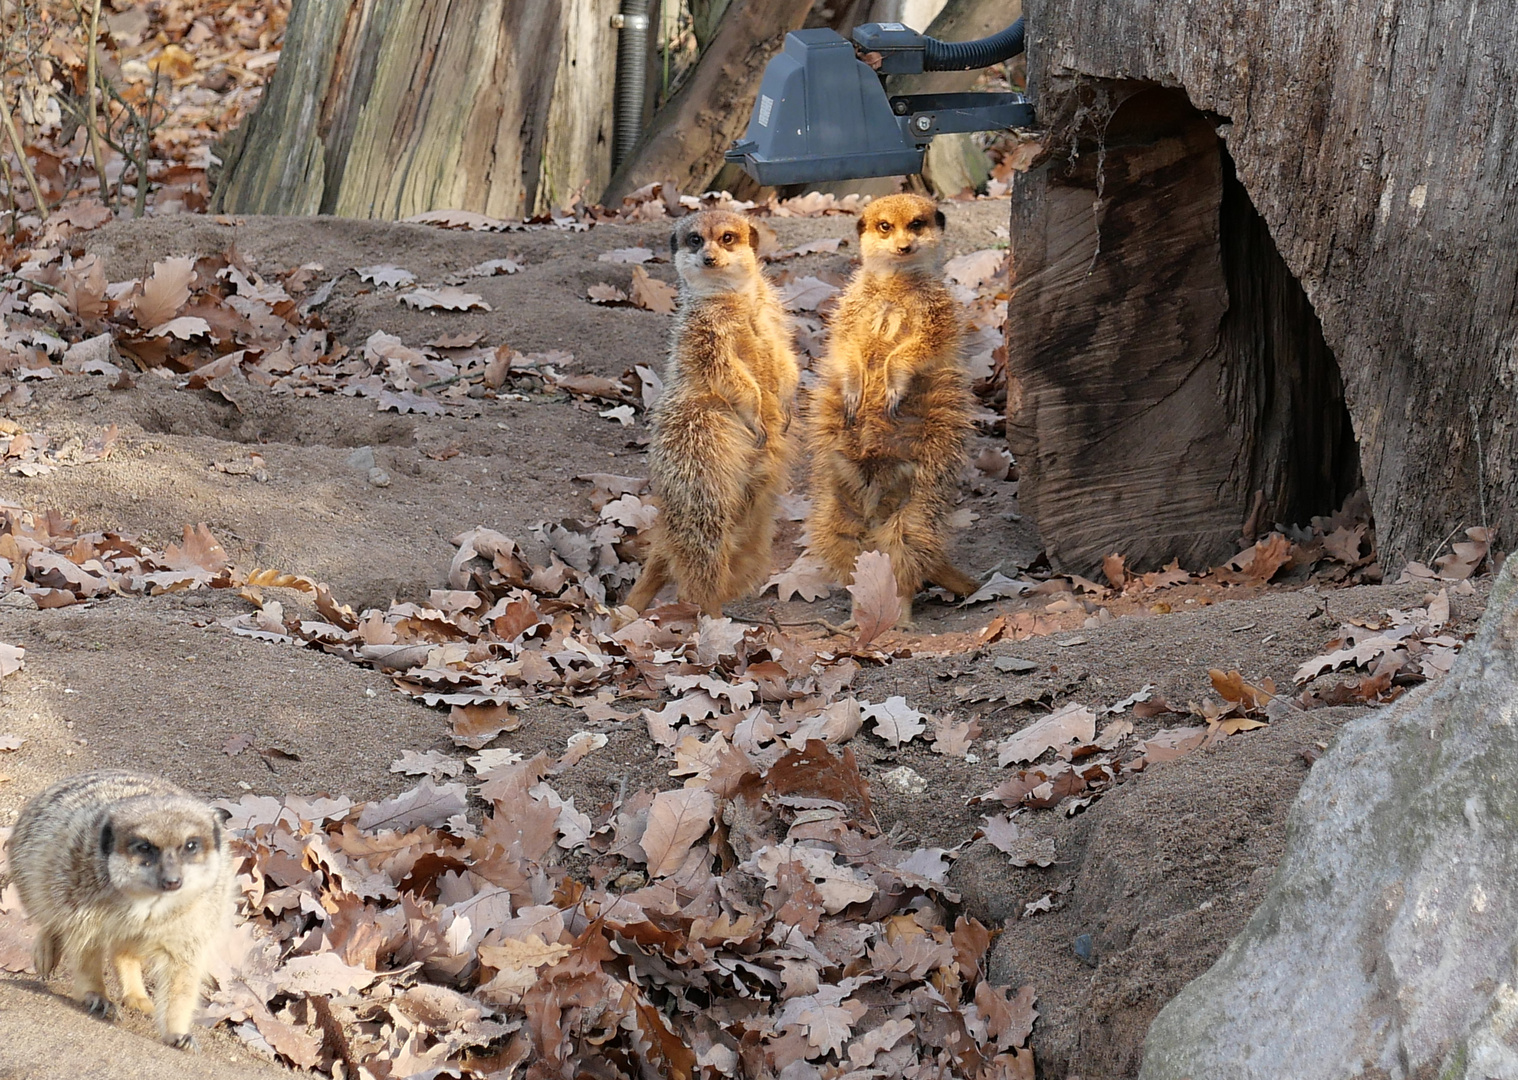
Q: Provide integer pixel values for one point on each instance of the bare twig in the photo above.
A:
(1480, 463)
(92, 66)
(26, 166)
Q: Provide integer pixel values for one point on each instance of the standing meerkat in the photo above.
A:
(120, 867)
(720, 455)
(888, 421)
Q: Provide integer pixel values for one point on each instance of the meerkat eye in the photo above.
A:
(917, 225)
(727, 239)
(191, 847)
(885, 226)
(694, 242)
(142, 848)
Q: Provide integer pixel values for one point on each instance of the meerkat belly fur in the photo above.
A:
(888, 422)
(721, 450)
(128, 869)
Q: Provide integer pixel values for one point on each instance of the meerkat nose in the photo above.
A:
(709, 259)
(170, 884)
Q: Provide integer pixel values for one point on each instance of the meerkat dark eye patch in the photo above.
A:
(142, 849)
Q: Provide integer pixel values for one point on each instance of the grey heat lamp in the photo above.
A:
(823, 113)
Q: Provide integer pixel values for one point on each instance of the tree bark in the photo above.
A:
(386, 108)
(1375, 145)
(687, 138)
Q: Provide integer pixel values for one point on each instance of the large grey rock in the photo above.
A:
(1385, 946)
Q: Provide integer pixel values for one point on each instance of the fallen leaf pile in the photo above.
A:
(187, 71)
(1401, 650)
(416, 935)
(752, 919)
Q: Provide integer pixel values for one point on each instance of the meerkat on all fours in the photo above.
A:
(888, 422)
(721, 453)
(116, 867)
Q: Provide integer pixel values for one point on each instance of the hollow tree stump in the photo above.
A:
(1375, 145)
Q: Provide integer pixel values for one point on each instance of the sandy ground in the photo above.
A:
(1161, 871)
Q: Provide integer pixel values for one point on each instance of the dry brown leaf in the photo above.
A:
(1072, 723)
(807, 578)
(877, 605)
(165, 292)
(446, 298)
(1171, 743)
(602, 293)
(676, 820)
(652, 294)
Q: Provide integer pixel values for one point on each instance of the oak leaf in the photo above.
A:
(165, 292)
(877, 605)
(676, 820)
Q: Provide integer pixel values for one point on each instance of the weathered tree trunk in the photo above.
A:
(687, 137)
(385, 108)
(1165, 354)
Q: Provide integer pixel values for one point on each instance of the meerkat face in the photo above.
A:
(900, 232)
(715, 251)
(153, 851)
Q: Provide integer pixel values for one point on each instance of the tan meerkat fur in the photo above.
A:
(888, 421)
(129, 869)
(721, 453)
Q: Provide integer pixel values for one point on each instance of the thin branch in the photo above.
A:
(92, 65)
(26, 166)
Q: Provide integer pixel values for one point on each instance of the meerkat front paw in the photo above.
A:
(183, 1041)
(850, 407)
(101, 1006)
(140, 1002)
(761, 437)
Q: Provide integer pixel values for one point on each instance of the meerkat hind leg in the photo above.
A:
(653, 577)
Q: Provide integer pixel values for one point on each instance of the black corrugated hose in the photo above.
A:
(964, 55)
(632, 75)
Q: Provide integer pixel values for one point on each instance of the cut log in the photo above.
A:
(1163, 365)
(383, 109)
(1384, 944)
(1373, 143)
(685, 142)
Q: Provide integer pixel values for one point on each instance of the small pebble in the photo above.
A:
(362, 458)
(1014, 664)
(1084, 950)
(378, 477)
(905, 780)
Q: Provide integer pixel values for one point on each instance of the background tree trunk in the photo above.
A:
(687, 137)
(1374, 146)
(385, 108)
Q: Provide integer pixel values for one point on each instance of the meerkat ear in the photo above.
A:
(107, 838)
(753, 237)
(859, 225)
(939, 219)
(674, 243)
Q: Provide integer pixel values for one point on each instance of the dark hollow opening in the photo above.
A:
(1280, 372)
